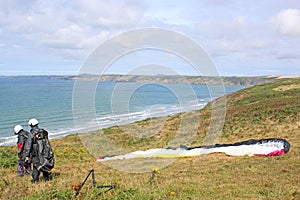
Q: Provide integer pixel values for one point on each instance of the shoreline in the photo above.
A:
(12, 139)
(172, 79)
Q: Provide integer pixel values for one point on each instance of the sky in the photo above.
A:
(242, 38)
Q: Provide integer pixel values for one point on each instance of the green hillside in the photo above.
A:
(261, 111)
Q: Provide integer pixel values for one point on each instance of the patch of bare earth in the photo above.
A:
(287, 87)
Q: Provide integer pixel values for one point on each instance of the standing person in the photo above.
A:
(40, 148)
(23, 167)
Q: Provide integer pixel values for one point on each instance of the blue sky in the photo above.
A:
(245, 38)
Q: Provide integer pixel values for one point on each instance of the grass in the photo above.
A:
(261, 111)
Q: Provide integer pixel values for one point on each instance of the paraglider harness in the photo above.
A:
(44, 150)
(109, 187)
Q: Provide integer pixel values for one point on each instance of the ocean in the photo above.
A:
(51, 101)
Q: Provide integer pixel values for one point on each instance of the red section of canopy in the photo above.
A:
(273, 153)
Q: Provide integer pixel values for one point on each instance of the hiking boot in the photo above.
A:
(46, 179)
(34, 181)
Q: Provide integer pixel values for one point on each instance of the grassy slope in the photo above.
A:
(256, 112)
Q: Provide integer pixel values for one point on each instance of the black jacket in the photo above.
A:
(22, 139)
(30, 149)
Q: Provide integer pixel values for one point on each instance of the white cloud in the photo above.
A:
(288, 22)
(66, 27)
(225, 37)
(233, 32)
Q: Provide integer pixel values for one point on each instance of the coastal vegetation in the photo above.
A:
(261, 111)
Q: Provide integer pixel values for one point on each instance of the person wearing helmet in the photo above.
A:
(33, 123)
(32, 149)
(23, 167)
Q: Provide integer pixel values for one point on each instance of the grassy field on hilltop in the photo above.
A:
(261, 111)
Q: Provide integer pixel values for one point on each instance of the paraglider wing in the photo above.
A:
(252, 147)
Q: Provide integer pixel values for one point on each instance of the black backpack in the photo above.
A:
(44, 150)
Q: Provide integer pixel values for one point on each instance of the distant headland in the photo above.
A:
(176, 79)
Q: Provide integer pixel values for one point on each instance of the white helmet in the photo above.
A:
(33, 122)
(18, 128)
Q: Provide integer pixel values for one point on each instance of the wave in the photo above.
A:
(8, 141)
(105, 121)
(158, 110)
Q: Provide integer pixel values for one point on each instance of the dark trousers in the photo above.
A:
(23, 168)
(36, 174)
